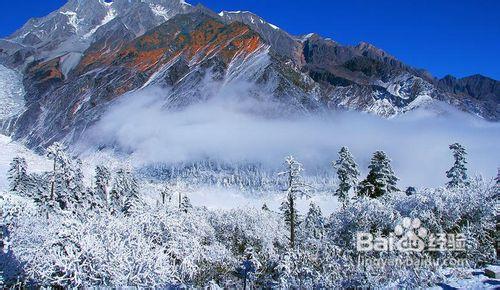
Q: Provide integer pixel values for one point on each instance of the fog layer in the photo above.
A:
(230, 128)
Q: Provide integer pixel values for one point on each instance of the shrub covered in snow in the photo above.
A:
(66, 234)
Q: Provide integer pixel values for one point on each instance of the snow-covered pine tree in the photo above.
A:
(118, 192)
(66, 186)
(56, 153)
(410, 190)
(70, 187)
(295, 187)
(60, 194)
(347, 173)
(312, 231)
(185, 204)
(458, 173)
(17, 175)
(125, 193)
(100, 198)
(248, 267)
(313, 226)
(77, 185)
(381, 179)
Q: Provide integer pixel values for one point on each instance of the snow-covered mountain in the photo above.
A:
(81, 58)
(73, 27)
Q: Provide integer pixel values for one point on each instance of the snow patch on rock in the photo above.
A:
(160, 11)
(73, 19)
(109, 16)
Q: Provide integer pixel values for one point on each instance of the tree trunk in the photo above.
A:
(292, 222)
(180, 201)
(245, 281)
(52, 186)
(291, 209)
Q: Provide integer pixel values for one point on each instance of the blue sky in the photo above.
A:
(459, 37)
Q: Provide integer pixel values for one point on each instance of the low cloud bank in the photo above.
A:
(229, 128)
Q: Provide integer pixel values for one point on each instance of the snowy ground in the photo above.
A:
(477, 280)
(11, 93)
(210, 197)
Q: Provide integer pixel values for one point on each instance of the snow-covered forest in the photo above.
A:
(126, 228)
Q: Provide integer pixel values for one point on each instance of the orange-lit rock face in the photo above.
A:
(210, 38)
(47, 71)
(213, 38)
(97, 58)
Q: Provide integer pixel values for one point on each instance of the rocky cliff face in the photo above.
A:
(81, 58)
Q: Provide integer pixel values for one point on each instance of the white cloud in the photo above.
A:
(229, 127)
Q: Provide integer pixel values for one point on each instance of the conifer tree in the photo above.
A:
(77, 185)
(100, 197)
(56, 153)
(295, 187)
(313, 226)
(458, 173)
(17, 175)
(347, 173)
(125, 193)
(381, 179)
(69, 183)
(185, 204)
(60, 195)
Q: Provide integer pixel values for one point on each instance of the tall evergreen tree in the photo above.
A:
(56, 153)
(458, 173)
(381, 179)
(69, 183)
(313, 226)
(100, 198)
(60, 192)
(17, 175)
(125, 193)
(295, 187)
(77, 185)
(347, 173)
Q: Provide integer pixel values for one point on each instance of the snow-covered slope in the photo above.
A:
(11, 93)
